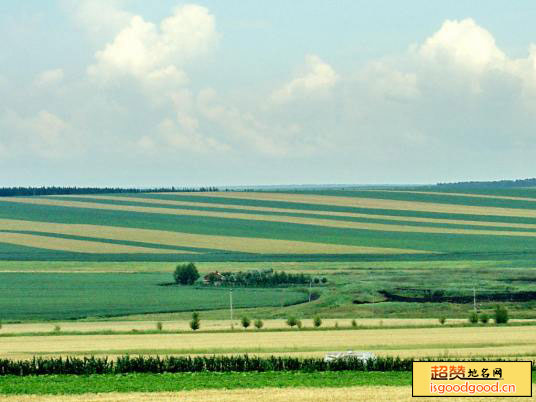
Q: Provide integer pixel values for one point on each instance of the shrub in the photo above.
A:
(159, 326)
(354, 324)
(442, 320)
(186, 274)
(57, 328)
(316, 280)
(473, 317)
(336, 325)
(501, 315)
(317, 322)
(324, 280)
(292, 321)
(245, 321)
(484, 318)
(299, 324)
(195, 324)
(258, 323)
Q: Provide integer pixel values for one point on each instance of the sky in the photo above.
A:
(232, 92)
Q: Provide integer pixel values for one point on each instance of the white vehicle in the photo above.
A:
(364, 356)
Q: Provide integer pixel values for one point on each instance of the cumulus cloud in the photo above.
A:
(49, 77)
(173, 137)
(317, 77)
(101, 19)
(464, 43)
(44, 134)
(155, 54)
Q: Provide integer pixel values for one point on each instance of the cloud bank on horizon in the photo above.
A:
(144, 104)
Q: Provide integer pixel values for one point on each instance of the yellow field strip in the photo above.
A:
(227, 243)
(78, 246)
(496, 197)
(393, 341)
(363, 202)
(304, 212)
(274, 218)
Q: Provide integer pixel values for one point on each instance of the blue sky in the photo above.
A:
(138, 93)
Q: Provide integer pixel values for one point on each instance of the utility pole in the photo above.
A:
(231, 304)
(310, 284)
(474, 298)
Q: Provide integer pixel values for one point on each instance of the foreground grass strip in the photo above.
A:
(241, 340)
(70, 384)
(359, 393)
(78, 246)
(226, 243)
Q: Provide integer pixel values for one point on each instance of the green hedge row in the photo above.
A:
(172, 364)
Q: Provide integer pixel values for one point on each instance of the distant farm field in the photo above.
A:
(261, 226)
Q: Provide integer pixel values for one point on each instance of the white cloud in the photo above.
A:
(464, 43)
(386, 81)
(318, 76)
(248, 129)
(49, 78)
(155, 54)
(171, 137)
(44, 134)
(102, 19)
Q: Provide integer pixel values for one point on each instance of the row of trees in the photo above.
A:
(55, 190)
(187, 274)
(262, 278)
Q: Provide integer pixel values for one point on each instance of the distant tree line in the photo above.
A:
(53, 190)
(497, 183)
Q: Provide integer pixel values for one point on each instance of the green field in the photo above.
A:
(68, 384)
(45, 296)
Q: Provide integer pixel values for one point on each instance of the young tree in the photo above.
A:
(159, 326)
(259, 324)
(484, 318)
(186, 274)
(317, 321)
(442, 320)
(292, 321)
(195, 324)
(501, 315)
(245, 321)
(473, 318)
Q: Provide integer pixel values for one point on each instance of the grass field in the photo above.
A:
(351, 386)
(72, 295)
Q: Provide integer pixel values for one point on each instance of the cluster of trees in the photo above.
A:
(262, 278)
(53, 190)
(500, 316)
(187, 274)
